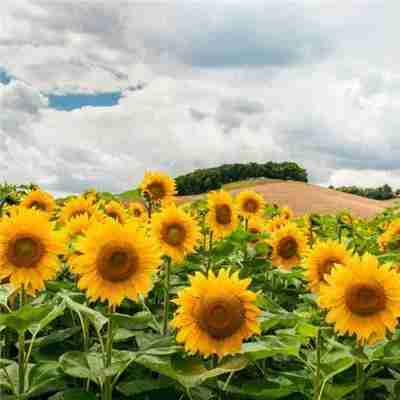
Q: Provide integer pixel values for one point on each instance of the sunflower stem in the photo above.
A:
(318, 346)
(109, 346)
(360, 378)
(210, 245)
(21, 352)
(166, 295)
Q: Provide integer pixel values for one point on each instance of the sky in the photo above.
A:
(94, 93)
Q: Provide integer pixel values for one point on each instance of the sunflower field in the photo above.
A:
(219, 298)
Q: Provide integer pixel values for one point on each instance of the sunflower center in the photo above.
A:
(174, 234)
(287, 248)
(25, 252)
(223, 214)
(326, 267)
(250, 205)
(157, 190)
(115, 216)
(77, 213)
(38, 205)
(137, 212)
(365, 299)
(220, 317)
(116, 263)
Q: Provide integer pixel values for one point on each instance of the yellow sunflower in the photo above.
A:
(116, 211)
(78, 225)
(215, 314)
(250, 203)
(286, 213)
(321, 259)
(74, 207)
(138, 211)
(176, 232)
(158, 186)
(391, 235)
(362, 298)
(275, 223)
(256, 225)
(115, 262)
(29, 249)
(288, 246)
(39, 200)
(222, 217)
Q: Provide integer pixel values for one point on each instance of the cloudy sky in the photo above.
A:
(93, 93)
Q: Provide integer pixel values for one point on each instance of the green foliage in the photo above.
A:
(204, 180)
(384, 192)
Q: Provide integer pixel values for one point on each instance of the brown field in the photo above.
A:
(306, 198)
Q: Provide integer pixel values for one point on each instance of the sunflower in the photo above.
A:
(29, 249)
(250, 203)
(288, 246)
(78, 225)
(321, 259)
(39, 200)
(158, 186)
(138, 211)
(362, 298)
(116, 211)
(215, 314)
(74, 207)
(275, 223)
(256, 225)
(115, 262)
(222, 217)
(176, 232)
(286, 213)
(390, 236)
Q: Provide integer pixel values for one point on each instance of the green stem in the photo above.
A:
(317, 385)
(166, 295)
(21, 364)
(209, 251)
(360, 380)
(109, 346)
(21, 352)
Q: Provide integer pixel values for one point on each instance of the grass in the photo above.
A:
(247, 183)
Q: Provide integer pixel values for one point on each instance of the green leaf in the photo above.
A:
(271, 346)
(55, 337)
(189, 372)
(138, 386)
(138, 321)
(25, 318)
(74, 394)
(96, 318)
(56, 312)
(5, 292)
(44, 378)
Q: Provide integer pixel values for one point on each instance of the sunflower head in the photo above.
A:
(75, 207)
(39, 200)
(115, 262)
(256, 225)
(320, 261)
(286, 213)
(362, 298)
(138, 211)
(250, 203)
(29, 249)
(158, 186)
(176, 232)
(116, 211)
(391, 236)
(78, 225)
(275, 223)
(215, 314)
(222, 217)
(288, 246)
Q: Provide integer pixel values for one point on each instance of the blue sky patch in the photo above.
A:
(72, 101)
